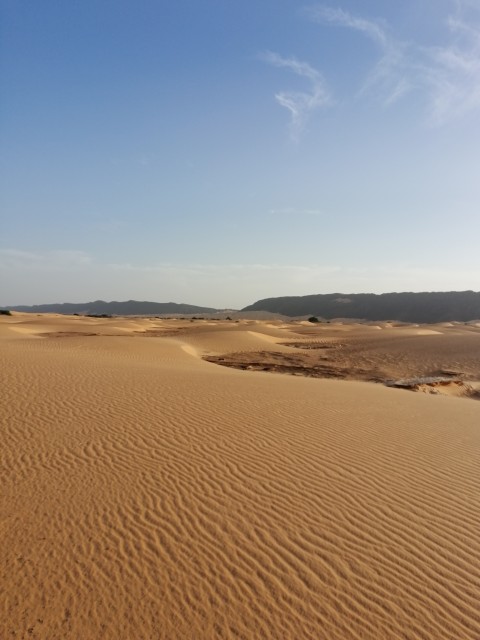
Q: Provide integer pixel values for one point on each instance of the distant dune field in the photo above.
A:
(147, 493)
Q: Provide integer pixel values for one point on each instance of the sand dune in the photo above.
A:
(149, 494)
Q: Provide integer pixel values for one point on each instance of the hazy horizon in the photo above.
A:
(219, 308)
(217, 153)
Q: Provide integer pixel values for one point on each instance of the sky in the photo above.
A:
(220, 152)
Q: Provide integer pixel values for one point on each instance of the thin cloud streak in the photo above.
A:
(375, 31)
(17, 259)
(292, 211)
(300, 104)
(448, 76)
(454, 72)
(389, 72)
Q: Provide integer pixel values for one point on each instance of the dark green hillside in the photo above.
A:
(428, 307)
(128, 308)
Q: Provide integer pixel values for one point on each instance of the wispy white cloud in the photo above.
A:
(377, 31)
(448, 75)
(389, 74)
(453, 70)
(300, 104)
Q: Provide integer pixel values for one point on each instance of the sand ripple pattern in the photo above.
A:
(148, 494)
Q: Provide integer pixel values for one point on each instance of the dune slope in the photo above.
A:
(149, 494)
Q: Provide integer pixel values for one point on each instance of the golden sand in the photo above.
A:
(149, 494)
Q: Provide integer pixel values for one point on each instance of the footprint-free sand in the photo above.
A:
(147, 493)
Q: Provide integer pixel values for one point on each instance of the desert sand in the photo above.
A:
(148, 493)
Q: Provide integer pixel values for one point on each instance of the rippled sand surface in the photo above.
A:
(149, 494)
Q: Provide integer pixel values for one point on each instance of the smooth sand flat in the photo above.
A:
(148, 494)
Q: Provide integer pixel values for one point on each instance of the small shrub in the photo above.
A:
(313, 319)
(5, 312)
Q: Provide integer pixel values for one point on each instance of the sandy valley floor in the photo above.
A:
(147, 493)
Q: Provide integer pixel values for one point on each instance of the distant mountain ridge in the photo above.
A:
(127, 308)
(425, 307)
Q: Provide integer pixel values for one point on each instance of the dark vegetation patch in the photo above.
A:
(316, 344)
(98, 315)
(67, 334)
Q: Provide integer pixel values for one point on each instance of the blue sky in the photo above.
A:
(219, 152)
